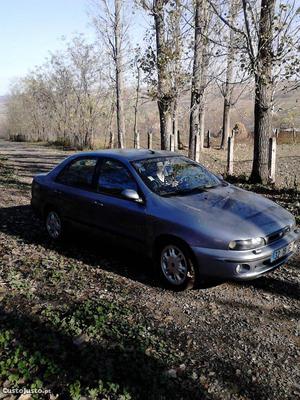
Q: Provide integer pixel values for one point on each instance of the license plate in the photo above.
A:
(282, 252)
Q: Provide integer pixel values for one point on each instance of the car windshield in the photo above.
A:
(169, 176)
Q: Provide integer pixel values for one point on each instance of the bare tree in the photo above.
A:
(204, 73)
(110, 25)
(196, 78)
(263, 91)
(119, 74)
(200, 79)
(268, 43)
(137, 65)
(63, 100)
(178, 73)
(228, 85)
(163, 63)
(164, 96)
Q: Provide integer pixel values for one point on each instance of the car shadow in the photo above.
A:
(123, 361)
(20, 221)
(275, 286)
(59, 361)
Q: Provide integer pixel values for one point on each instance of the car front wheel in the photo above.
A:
(54, 225)
(176, 267)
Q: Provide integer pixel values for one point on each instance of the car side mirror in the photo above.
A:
(132, 195)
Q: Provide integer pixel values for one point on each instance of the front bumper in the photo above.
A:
(243, 265)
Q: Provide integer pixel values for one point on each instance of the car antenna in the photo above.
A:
(145, 148)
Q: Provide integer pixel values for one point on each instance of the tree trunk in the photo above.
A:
(164, 98)
(109, 128)
(226, 122)
(119, 75)
(262, 130)
(202, 123)
(180, 144)
(175, 124)
(177, 67)
(111, 140)
(229, 77)
(196, 80)
(135, 130)
(204, 67)
(165, 118)
(263, 94)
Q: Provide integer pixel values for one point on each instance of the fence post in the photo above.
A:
(208, 139)
(197, 148)
(294, 135)
(272, 159)
(175, 137)
(172, 142)
(150, 140)
(230, 154)
(201, 139)
(136, 140)
(179, 142)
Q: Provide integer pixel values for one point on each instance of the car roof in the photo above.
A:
(128, 154)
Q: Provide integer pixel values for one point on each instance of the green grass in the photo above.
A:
(96, 348)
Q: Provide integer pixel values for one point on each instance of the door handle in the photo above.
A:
(98, 203)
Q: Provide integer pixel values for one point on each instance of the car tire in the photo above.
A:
(54, 225)
(175, 266)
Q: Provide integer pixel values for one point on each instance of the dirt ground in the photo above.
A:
(229, 340)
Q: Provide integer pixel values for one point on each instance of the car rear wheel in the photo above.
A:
(54, 225)
(176, 267)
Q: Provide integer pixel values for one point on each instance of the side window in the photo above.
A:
(114, 178)
(79, 173)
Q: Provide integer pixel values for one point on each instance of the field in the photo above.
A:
(85, 320)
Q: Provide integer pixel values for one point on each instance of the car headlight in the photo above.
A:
(247, 244)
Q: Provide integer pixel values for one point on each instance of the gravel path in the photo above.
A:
(236, 340)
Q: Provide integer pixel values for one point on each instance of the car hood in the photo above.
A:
(240, 213)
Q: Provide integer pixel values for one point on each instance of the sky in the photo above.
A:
(29, 29)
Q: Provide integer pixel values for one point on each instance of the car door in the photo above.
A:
(115, 214)
(75, 191)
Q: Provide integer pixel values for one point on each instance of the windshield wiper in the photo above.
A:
(188, 191)
(210, 186)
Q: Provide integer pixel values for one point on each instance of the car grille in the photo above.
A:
(278, 234)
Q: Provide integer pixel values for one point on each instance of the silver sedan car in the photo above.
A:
(188, 220)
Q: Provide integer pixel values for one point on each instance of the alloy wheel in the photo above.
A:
(174, 265)
(53, 225)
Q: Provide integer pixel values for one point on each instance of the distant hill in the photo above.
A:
(286, 112)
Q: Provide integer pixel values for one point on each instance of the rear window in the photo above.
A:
(79, 173)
